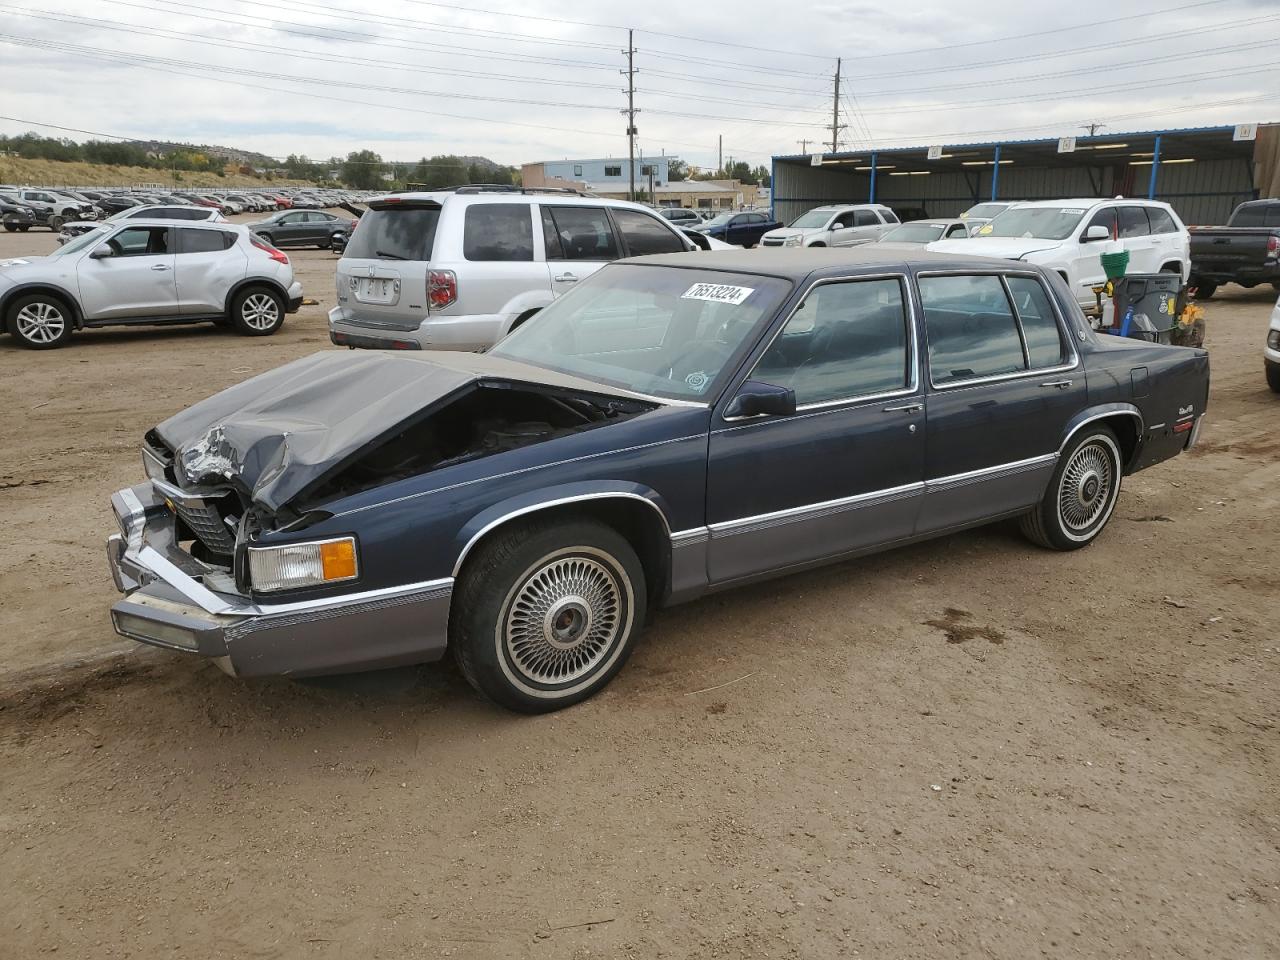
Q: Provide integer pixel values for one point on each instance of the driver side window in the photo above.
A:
(846, 340)
(140, 242)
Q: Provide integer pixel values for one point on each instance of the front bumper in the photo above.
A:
(466, 333)
(295, 297)
(175, 601)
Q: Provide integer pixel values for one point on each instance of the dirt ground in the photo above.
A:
(966, 748)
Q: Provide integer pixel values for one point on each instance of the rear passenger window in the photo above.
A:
(1039, 324)
(846, 340)
(890, 216)
(204, 241)
(644, 234)
(1133, 222)
(498, 231)
(1161, 222)
(579, 233)
(971, 329)
(865, 218)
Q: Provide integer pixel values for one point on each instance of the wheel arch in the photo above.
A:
(77, 318)
(247, 282)
(1125, 421)
(635, 512)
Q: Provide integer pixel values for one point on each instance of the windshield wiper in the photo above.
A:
(382, 254)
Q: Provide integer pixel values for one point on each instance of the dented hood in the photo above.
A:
(281, 432)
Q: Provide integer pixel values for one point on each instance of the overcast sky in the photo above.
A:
(409, 78)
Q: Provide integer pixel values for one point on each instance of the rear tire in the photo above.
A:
(546, 613)
(40, 321)
(1273, 376)
(265, 238)
(1081, 495)
(56, 223)
(11, 227)
(1203, 291)
(24, 227)
(257, 311)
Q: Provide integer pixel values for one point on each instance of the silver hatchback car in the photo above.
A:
(460, 269)
(142, 272)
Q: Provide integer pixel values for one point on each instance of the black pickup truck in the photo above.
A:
(1246, 251)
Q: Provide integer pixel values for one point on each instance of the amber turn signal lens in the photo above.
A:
(338, 559)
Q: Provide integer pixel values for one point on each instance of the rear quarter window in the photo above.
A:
(498, 231)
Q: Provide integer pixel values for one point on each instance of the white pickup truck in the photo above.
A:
(834, 225)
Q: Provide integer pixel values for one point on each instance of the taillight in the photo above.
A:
(442, 288)
(279, 256)
(1273, 245)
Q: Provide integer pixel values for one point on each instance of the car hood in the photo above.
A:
(785, 232)
(280, 433)
(1007, 248)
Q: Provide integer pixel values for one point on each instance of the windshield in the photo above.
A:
(1041, 223)
(661, 331)
(80, 242)
(814, 218)
(394, 233)
(984, 211)
(914, 233)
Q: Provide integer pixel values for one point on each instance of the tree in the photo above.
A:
(677, 170)
(762, 175)
(362, 170)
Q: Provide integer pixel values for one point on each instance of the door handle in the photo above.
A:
(1060, 384)
(565, 278)
(160, 266)
(905, 408)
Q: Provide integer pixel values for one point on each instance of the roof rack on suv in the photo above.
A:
(509, 188)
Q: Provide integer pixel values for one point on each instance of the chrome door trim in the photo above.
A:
(812, 511)
(912, 317)
(1002, 377)
(694, 535)
(991, 473)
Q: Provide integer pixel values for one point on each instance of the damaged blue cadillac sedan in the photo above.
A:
(675, 425)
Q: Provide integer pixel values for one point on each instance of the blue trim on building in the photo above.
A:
(1155, 169)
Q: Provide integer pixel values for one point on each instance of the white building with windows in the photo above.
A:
(604, 175)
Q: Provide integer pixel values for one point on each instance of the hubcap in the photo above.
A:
(41, 322)
(563, 620)
(1087, 483)
(260, 311)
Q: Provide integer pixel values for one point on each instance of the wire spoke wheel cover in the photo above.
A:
(260, 311)
(41, 322)
(1087, 489)
(564, 618)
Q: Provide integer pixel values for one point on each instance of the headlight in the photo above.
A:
(1273, 339)
(791, 242)
(294, 565)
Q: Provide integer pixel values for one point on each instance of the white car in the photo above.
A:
(1068, 236)
(155, 212)
(460, 269)
(1271, 352)
(143, 272)
(980, 214)
(834, 225)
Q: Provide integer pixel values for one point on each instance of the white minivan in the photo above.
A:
(1067, 236)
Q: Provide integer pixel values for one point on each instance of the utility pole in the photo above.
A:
(630, 74)
(804, 145)
(1092, 127)
(835, 112)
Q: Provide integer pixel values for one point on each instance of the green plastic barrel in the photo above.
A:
(1115, 264)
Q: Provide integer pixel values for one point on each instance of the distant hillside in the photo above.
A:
(243, 158)
(58, 173)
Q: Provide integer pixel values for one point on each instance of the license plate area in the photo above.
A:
(376, 289)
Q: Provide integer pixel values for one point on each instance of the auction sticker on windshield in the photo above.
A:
(718, 293)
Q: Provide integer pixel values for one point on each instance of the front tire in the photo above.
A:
(546, 613)
(257, 311)
(1273, 376)
(39, 321)
(56, 222)
(1081, 495)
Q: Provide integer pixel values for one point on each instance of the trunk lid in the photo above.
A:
(382, 276)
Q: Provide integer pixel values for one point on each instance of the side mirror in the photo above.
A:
(102, 253)
(1096, 232)
(756, 398)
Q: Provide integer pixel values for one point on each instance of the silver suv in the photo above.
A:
(141, 272)
(834, 225)
(460, 269)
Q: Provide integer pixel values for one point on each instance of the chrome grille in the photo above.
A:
(206, 523)
(770, 242)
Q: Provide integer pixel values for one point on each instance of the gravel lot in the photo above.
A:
(965, 748)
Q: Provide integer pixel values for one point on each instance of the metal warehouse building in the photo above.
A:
(1203, 172)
